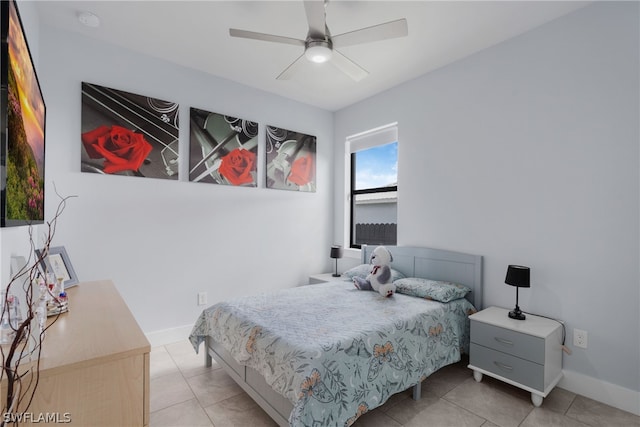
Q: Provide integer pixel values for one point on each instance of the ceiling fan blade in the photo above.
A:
(348, 67)
(388, 30)
(291, 69)
(316, 18)
(233, 32)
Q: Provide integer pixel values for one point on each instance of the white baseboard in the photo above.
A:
(169, 336)
(602, 391)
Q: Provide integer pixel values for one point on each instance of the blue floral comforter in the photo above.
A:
(335, 351)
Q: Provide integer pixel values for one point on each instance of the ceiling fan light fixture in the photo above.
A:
(318, 46)
(318, 52)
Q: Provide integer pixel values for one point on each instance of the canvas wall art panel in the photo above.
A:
(290, 160)
(128, 134)
(223, 149)
(22, 134)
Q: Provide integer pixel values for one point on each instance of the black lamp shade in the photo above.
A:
(517, 275)
(336, 252)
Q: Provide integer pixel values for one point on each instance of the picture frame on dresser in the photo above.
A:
(57, 261)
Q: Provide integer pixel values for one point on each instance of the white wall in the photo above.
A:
(527, 153)
(163, 241)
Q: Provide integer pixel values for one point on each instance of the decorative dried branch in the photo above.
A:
(26, 345)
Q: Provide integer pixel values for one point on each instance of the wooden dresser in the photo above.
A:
(95, 362)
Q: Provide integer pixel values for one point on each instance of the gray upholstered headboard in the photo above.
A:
(437, 264)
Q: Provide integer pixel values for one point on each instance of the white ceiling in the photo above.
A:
(195, 34)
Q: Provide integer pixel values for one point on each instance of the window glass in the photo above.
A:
(377, 166)
(374, 196)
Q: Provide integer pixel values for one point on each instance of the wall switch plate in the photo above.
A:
(202, 298)
(580, 338)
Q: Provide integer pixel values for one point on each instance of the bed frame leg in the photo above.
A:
(417, 389)
(207, 360)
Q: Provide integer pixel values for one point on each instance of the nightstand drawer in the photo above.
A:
(507, 341)
(513, 368)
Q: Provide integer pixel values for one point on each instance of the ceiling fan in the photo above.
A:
(319, 46)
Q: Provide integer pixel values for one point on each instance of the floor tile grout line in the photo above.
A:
(186, 379)
(478, 415)
(465, 409)
(566, 412)
(195, 397)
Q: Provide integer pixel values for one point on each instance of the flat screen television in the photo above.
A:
(22, 126)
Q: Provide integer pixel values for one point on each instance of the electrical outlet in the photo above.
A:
(580, 338)
(202, 298)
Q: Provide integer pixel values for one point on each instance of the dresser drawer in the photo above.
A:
(513, 368)
(507, 341)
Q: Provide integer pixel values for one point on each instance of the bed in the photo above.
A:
(341, 352)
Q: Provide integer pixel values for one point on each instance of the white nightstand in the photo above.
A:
(323, 278)
(524, 353)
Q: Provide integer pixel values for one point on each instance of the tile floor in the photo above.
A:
(185, 393)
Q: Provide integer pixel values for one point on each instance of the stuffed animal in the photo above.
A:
(379, 278)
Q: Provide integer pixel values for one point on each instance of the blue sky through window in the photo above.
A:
(377, 166)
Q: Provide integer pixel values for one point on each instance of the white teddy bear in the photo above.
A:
(379, 277)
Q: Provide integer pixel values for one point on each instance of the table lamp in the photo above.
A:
(518, 276)
(336, 252)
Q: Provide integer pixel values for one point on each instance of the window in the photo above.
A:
(373, 187)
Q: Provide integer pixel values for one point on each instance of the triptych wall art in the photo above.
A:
(128, 134)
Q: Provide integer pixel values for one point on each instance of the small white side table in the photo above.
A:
(524, 353)
(314, 279)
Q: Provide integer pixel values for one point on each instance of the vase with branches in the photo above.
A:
(24, 332)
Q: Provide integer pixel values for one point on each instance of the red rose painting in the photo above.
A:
(123, 133)
(120, 148)
(224, 149)
(290, 160)
(302, 170)
(237, 166)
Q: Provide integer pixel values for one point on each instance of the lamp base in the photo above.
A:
(336, 274)
(517, 314)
